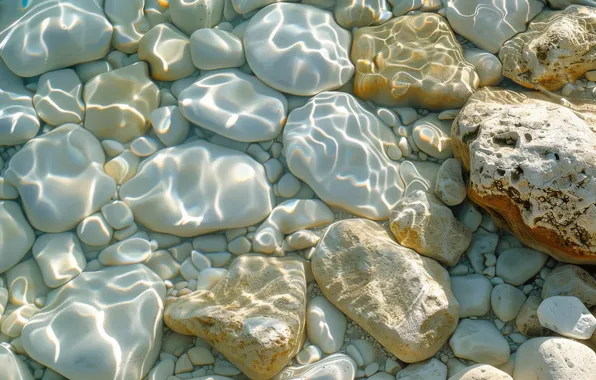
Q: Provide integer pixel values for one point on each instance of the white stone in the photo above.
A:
(200, 261)
(480, 341)
(15, 318)
(325, 325)
(431, 369)
(571, 280)
(80, 333)
(213, 49)
(567, 316)
(481, 372)
(433, 136)
(418, 175)
(219, 259)
(58, 99)
(60, 258)
(13, 368)
(483, 243)
(190, 15)
(309, 355)
(472, 292)
(235, 105)
(129, 22)
(162, 370)
(488, 66)
(201, 188)
(144, 146)
(45, 35)
(16, 235)
(162, 263)
(200, 356)
(332, 367)
(119, 103)
(210, 243)
(450, 187)
(517, 265)
(288, 217)
(94, 230)
(183, 365)
(123, 167)
(304, 41)
(169, 125)
(554, 358)
(167, 50)
(209, 277)
(506, 301)
(288, 186)
(25, 283)
(117, 214)
(350, 14)
(335, 145)
(129, 251)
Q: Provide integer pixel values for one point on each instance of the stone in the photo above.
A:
(117, 214)
(571, 280)
(16, 235)
(58, 98)
(129, 22)
(60, 258)
(432, 136)
(47, 35)
(325, 325)
(555, 50)
(412, 61)
(92, 306)
(213, 49)
(88, 70)
(335, 144)
(567, 316)
(200, 356)
(288, 186)
(361, 270)
(169, 125)
(527, 319)
(25, 283)
(488, 24)
(130, 251)
(95, 231)
(235, 105)
(15, 318)
(480, 341)
(18, 119)
(201, 187)
(183, 365)
(162, 370)
(332, 367)
(419, 175)
(517, 265)
(506, 301)
(431, 369)
(305, 41)
(481, 372)
(350, 14)
(473, 293)
(167, 50)
(302, 239)
(554, 358)
(12, 366)
(190, 15)
(483, 243)
(309, 355)
(422, 222)
(488, 66)
(532, 177)
(69, 186)
(163, 264)
(450, 187)
(119, 103)
(401, 7)
(562, 4)
(238, 318)
(122, 167)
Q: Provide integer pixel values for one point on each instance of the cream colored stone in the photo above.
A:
(412, 61)
(60, 258)
(16, 235)
(213, 49)
(167, 50)
(129, 22)
(450, 186)
(432, 136)
(190, 15)
(361, 270)
(58, 98)
(488, 66)
(481, 372)
(350, 13)
(571, 280)
(238, 318)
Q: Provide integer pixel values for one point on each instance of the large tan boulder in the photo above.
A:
(558, 48)
(532, 166)
(412, 61)
(364, 273)
(254, 316)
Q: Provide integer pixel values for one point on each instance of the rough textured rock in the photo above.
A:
(412, 61)
(571, 280)
(558, 48)
(481, 372)
(422, 222)
(554, 359)
(361, 270)
(488, 23)
(532, 166)
(80, 333)
(16, 235)
(255, 315)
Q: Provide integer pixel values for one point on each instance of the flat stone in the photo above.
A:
(25, 283)
(122, 167)
(361, 270)
(412, 61)
(58, 98)
(350, 14)
(305, 41)
(488, 66)
(16, 235)
(480, 341)
(60, 258)
(163, 264)
(325, 325)
(15, 318)
(129, 21)
(167, 50)
(201, 187)
(190, 15)
(422, 222)
(506, 301)
(450, 187)
(554, 358)
(213, 49)
(571, 280)
(129, 251)
(335, 145)
(92, 306)
(518, 265)
(481, 372)
(95, 231)
(238, 318)
(12, 366)
(567, 316)
(527, 319)
(235, 105)
(488, 24)
(117, 214)
(119, 103)
(332, 367)
(472, 292)
(69, 186)
(401, 7)
(201, 356)
(169, 125)
(432, 136)
(50, 35)
(431, 369)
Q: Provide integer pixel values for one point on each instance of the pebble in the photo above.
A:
(200, 356)
(94, 230)
(482, 243)
(88, 70)
(12, 366)
(506, 301)
(195, 14)
(325, 325)
(488, 66)
(117, 214)
(144, 146)
(162, 370)
(123, 167)
(571, 280)
(213, 49)
(163, 264)
(567, 316)
(332, 367)
(309, 355)
(60, 257)
(518, 265)
(200, 261)
(450, 187)
(480, 341)
(473, 293)
(58, 99)
(382, 376)
(129, 251)
(168, 52)
(431, 369)
(183, 365)
(209, 277)
(219, 259)
(17, 236)
(467, 213)
(432, 136)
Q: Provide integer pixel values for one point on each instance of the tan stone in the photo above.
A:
(532, 166)
(527, 319)
(363, 272)
(255, 315)
(571, 280)
(558, 48)
(412, 61)
(167, 50)
(481, 372)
